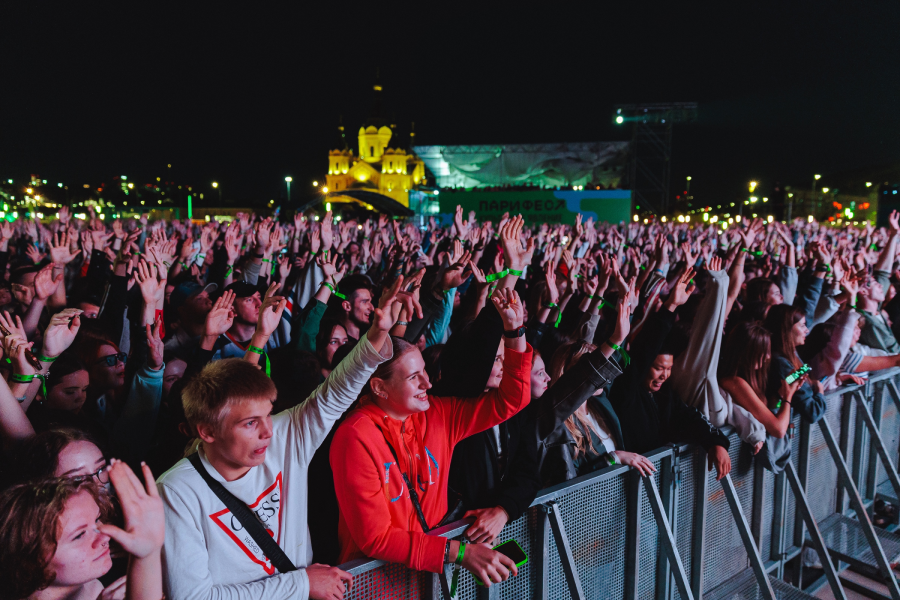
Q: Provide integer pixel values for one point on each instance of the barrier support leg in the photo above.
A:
(542, 556)
(765, 586)
(862, 516)
(812, 529)
(667, 539)
(875, 440)
(565, 552)
(632, 534)
(698, 543)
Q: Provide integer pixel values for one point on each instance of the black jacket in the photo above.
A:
(475, 474)
(651, 419)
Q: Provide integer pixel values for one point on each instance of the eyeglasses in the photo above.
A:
(101, 476)
(113, 359)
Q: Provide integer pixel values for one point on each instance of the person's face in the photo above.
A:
(774, 296)
(359, 308)
(198, 306)
(172, 373)
(80, 459)
(103, 376)
(82, 552)
(496, 370)
(247, 309)
(876, 292)
(338, 338)
(539, 377)
(799, 332)
(659, 372)
(405, 392)
(244, 435)
(70, 392)
(5, 296)
(24, 290)
(91, 311)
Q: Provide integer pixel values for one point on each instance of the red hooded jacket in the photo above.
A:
(377, 517)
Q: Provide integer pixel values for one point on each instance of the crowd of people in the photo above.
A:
(308, 392)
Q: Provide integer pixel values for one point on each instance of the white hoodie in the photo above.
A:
(207, 555)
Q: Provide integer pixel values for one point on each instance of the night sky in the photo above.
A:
(246, 95)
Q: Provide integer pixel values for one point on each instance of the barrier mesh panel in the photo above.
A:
(744, 586)
(524, 531)
(684, 520)
(594, 518)
(725, 554)
(821, 490)
(890, 432)
(390, 581)
(790, 509)
(648, 545)
(768, 514)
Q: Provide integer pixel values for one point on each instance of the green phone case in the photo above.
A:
(518, 564)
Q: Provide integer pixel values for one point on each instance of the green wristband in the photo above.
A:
(495, 276)
(626, 360)
(460, 554)
(550, 305)
(336, 293)
(47, 359)
(19, 378)
(256, 350)
(514, 272)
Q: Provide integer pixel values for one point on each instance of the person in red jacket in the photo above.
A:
(400, 434)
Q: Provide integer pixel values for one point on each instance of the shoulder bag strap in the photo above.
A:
(413, 494)
(246, 518)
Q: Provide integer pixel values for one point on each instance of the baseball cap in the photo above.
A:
(188, 289)
(242, 289)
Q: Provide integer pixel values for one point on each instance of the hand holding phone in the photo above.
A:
(502, 560)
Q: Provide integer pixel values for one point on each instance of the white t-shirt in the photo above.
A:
(207, 555)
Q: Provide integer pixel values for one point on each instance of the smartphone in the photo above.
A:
(513, 550)
(798, 374)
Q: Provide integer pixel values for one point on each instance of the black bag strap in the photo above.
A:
(413, 495)
(246, 518)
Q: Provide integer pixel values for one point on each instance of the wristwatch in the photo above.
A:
(515, 333)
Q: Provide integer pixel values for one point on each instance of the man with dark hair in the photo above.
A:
(247, 301)
(354, 312)
(189, 304)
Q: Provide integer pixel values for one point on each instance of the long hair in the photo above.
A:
(746, 353)
(780, 322)
(566, 357)
(758, 289)
(38, 457)
(30, 528)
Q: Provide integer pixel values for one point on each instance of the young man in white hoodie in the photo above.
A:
(262, 460)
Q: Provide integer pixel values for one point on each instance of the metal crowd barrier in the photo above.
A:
(681, 534)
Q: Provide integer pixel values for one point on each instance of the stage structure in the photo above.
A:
(546, 183)
(650, 160)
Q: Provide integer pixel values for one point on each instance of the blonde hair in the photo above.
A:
(566, 357)
(222, 384)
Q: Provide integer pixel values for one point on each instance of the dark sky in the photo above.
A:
(249, 94)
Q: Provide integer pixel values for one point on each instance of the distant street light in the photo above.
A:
(288, 180)
(215, 184)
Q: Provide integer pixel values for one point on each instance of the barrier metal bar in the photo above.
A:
(542, 566)
(633, 535)
(765, 586)
(698, 544)
(878, 443)
(872, 472)
(813, 530)
(667, 539)
(862, 516)
(664, 492)
(565, 551)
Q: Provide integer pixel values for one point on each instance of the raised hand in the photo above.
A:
(45, 284)
(15, 348)
(146, 275)
(34, 254)
(457, 273)
(59, 250)
(270, 312)
(462, 227)
(61, 332)
(510, 308)
(681, 292)
(325, 232)
(145, 522)
(12, 325)
(552, 291)
(64, 215)
(392, 301)
(221, 317)
(714, 264)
